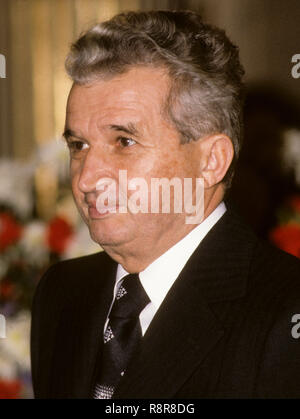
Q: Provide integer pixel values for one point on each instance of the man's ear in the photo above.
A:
(216, 153)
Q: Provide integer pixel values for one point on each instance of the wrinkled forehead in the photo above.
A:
(136, 97)
(138, 85)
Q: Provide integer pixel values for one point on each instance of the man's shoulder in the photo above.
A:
(266, 257)
(274, 289)
(239, 252)
(263, 256)
(79, 264)
(275, 276)
(69, 277)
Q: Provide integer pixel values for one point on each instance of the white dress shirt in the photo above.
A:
(160, 275)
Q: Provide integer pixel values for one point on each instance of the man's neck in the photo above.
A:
(138, 256)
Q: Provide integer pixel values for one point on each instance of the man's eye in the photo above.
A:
(126, 142)
(76, 146)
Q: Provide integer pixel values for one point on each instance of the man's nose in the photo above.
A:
(94, 167)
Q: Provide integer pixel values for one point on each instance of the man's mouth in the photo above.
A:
(96, 211)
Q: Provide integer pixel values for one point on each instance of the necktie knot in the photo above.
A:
(130, 300)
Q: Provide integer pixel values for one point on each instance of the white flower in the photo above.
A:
(8, 368)
(16, 182)
(15, 347)
(33, 243)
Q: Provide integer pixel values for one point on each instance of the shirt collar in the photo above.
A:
(160, 275)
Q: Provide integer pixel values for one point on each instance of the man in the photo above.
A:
(158, 95)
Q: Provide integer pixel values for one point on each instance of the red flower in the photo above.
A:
(6, 289)
(10, 389)
(10, 230)
(58, 234)
(287, 238)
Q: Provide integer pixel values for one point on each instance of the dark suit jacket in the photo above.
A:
(223, 330)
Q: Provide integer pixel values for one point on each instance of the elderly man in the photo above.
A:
(172, 308)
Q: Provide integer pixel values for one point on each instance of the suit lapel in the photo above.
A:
(185, 329)
(175, 343)
(81, 328)
(91, 333)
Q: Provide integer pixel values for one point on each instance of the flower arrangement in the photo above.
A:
(28, 245)
(26, 250)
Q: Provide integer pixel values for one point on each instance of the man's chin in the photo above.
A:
(106, 231)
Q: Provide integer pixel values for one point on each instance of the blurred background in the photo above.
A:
(38, 221)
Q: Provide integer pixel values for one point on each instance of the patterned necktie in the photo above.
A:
(122, 335)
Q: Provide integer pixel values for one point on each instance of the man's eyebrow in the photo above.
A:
(69, 133)
(129, 128)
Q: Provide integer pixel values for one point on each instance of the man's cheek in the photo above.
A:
(74, 180)
(78, 197)
(74, 175)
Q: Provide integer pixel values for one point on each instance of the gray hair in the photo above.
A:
(206, 94)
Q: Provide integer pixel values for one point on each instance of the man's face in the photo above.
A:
(118, 124)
